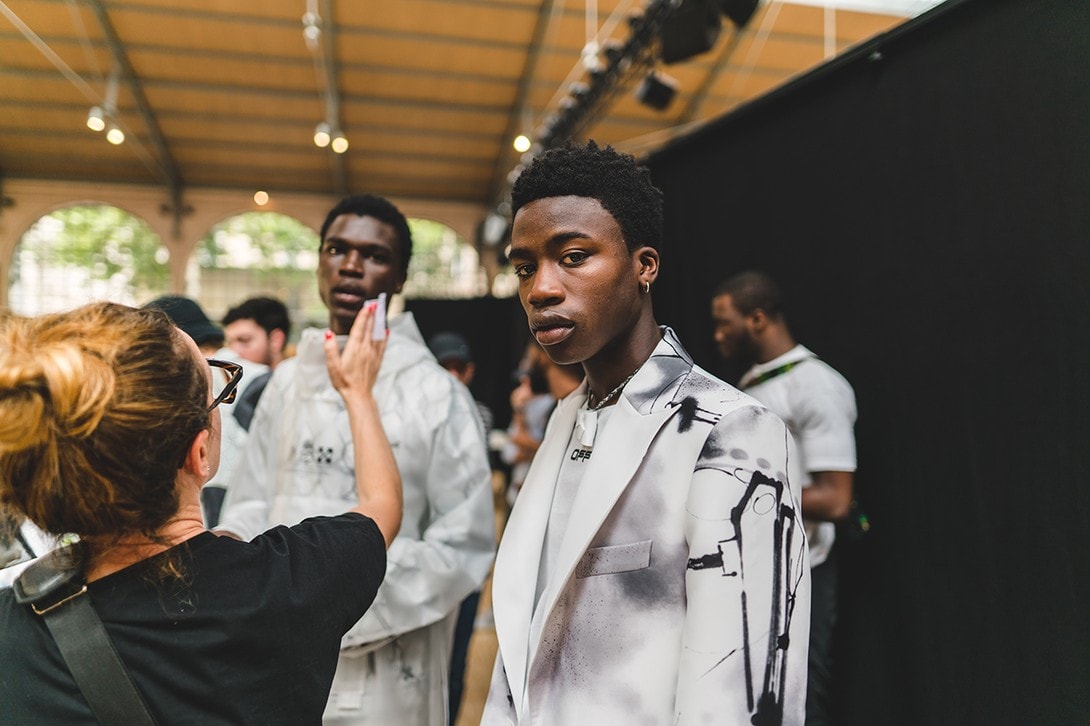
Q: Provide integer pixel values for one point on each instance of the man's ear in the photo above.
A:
(278, 340)
(647, 259)
(758, 320)
(197, 458)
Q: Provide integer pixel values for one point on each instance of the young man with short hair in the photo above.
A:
(818, 406)
(653, 569)
(258, 329)
(299, 463)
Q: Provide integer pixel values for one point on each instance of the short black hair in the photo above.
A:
(752, 290)
(367, 205)
(268, 312)
(616, 180)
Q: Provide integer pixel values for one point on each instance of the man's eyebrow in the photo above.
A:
(555, 240)
(359, 245)
(562, 237)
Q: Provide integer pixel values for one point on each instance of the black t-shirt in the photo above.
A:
(249, 635)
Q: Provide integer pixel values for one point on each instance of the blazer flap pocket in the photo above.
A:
(614, 558)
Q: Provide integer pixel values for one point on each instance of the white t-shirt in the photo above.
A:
(818, 406)
(568, 481)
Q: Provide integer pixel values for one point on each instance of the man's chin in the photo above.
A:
(340, 320)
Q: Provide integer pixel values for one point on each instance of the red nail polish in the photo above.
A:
(328, 334)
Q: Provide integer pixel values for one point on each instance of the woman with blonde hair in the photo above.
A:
(108, 429)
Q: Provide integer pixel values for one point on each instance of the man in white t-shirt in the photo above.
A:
(818, 406)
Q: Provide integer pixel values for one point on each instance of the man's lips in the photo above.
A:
(552, 330)
(348, 297)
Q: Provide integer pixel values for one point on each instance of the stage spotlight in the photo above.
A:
(114, 134)
(339, 144)
(739, 11)
(96, 120)
(656, 90)
(321, 135)
(522, 143)
(690, 30)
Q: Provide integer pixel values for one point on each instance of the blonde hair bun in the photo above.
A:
(57, 389)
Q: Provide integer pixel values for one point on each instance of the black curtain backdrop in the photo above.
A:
(497, 333)
(925, 203)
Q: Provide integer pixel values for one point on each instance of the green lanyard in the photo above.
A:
(769, 375)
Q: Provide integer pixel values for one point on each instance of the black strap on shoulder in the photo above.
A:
(54, 588)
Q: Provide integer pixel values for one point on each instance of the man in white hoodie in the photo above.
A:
(299, 463)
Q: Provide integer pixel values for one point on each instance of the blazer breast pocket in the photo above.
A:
(614, 559)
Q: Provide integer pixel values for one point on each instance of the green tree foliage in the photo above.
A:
(108, 242)
(83, 253)
(260, 253)
(259, 241)
(439, 267)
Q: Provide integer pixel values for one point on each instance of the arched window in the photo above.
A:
(84, 253)
(443, 264)
(258, 253)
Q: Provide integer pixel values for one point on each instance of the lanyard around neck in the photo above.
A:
(769, 375)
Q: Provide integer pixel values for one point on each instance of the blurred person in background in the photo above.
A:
(257, 330)
(452, 351)
(818, 406)
(531, 404)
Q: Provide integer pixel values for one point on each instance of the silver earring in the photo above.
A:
(646, 287)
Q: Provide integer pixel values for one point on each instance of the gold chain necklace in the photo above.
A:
(609, 396)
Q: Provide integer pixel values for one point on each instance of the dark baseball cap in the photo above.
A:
(189, 316)
(450, 346)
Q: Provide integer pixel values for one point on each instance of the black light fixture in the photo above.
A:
(739, 11)
(656, 90)
(690, 30)
(620, 62)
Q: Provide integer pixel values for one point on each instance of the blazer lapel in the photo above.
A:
(618, 453)
(519, 555)
(647, 403)
(645, 406)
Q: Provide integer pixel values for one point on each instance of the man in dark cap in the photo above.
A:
(452, 351)
(188, 315)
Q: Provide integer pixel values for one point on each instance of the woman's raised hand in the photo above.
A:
(354, 370)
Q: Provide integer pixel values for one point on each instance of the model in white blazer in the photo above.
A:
(675, 587)
(681, 595)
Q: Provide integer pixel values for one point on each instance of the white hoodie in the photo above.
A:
(299, 463)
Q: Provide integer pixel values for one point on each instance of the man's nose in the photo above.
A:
(545, 289)
(352, 264)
